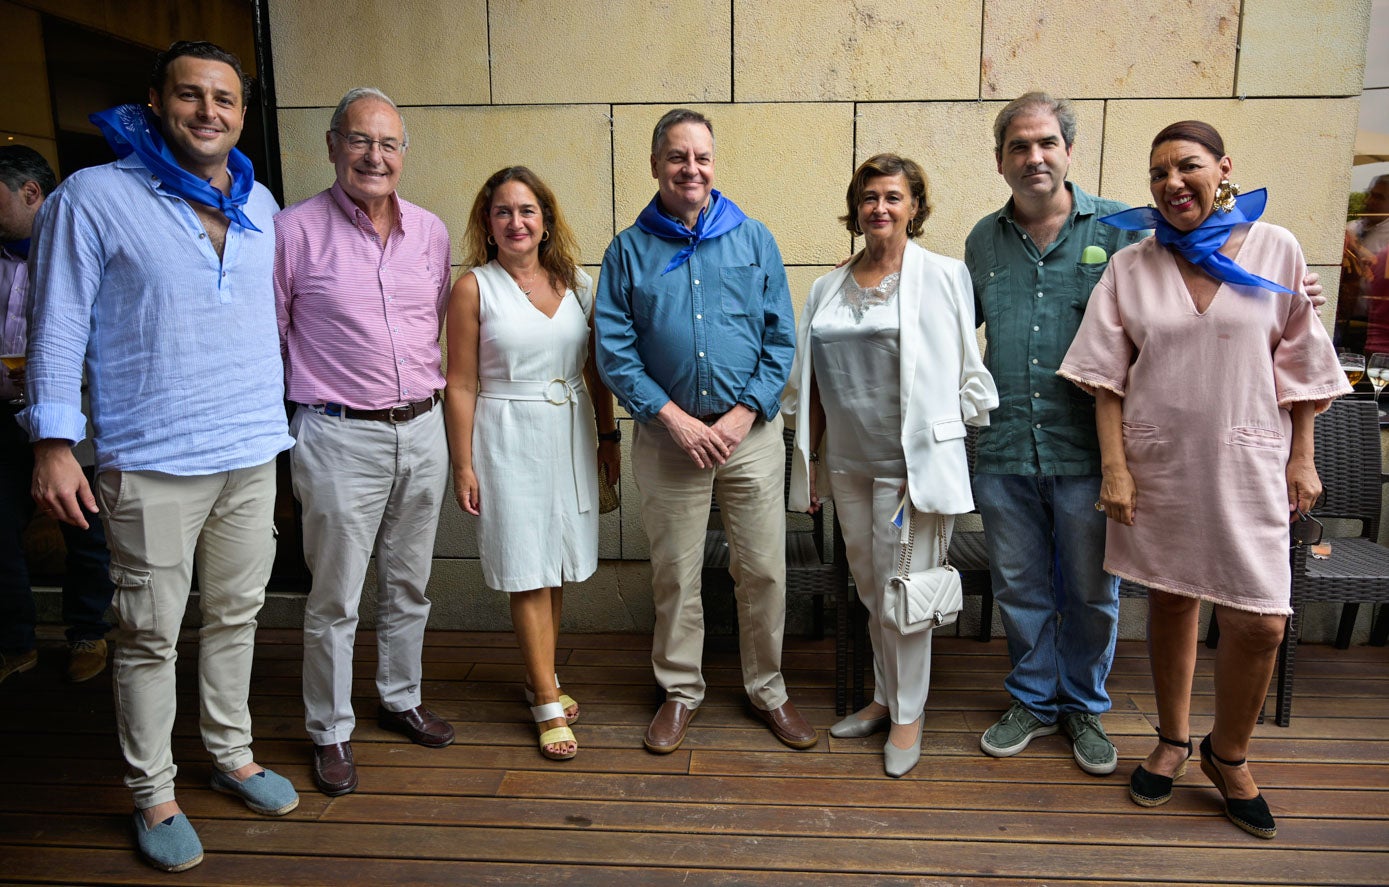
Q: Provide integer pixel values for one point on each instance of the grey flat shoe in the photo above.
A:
(855, 727)
(900, 761)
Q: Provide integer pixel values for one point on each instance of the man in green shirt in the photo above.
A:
(1034, 263)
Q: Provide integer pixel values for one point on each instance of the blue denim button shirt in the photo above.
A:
(714, 332)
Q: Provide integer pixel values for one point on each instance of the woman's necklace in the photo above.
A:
(526, 287)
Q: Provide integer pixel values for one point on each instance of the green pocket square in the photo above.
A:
(1093, 255)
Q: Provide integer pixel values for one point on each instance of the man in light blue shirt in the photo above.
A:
(158, 270)
(695, 336)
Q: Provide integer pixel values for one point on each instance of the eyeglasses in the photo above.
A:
(1306, 530)
(360, 144)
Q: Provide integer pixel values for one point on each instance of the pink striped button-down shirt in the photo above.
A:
(359, 324)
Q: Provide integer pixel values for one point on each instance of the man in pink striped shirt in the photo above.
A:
(361, 282)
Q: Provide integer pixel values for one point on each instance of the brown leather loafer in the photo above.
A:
(423, 726)
(334, 771)
(788, 725)
(668, 728)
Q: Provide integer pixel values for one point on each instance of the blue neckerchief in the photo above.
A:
(18, 248)
(722, 216)
(133, 129)
(1201, 246)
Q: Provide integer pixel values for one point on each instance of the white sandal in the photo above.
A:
(564, 699)
(555, 735)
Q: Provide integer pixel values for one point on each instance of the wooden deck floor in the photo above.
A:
(731, 807)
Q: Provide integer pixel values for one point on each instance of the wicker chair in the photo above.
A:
(811, 571)
(1348, 461)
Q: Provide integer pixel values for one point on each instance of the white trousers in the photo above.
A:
(675, 497)
(901, 662)
(155, 526)
(365, 487)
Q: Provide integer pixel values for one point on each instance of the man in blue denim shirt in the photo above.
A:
(695, 336)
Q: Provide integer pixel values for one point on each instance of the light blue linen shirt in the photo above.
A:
(181, 347)
(715, 332)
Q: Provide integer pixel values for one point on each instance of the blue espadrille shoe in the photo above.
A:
(265, 792)
(171, 845)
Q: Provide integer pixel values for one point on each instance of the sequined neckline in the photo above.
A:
(859, 299)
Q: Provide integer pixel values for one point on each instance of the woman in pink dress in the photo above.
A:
(1207, 371)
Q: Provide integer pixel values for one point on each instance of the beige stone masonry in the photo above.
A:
(610, 51)
(1302, 47)
(872, 50)
(1109, 50)
(786, 165)
(420, 52)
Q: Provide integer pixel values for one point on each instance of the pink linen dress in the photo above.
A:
(1207, 431)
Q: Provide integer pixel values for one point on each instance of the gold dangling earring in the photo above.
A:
(490, 241)
(1225, 194)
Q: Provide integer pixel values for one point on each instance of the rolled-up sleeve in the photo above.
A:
(65, 268)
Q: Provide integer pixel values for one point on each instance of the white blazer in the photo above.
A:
(944, 383)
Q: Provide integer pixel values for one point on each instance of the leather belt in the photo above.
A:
(559, 392)
(393, 415)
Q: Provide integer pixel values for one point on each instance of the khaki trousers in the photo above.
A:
(675, 497)
(156, 524)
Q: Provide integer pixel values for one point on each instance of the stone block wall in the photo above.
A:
(799, 94)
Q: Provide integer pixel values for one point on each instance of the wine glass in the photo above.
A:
(1353, 365)
(1379, 374)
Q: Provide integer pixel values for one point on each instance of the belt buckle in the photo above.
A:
(400, 414)
(563, 389)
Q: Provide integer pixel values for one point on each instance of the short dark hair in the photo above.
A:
(1061, 109)
(880, 165)
(1196, 131)
(198, 49)
(20, 164)
(674, 117)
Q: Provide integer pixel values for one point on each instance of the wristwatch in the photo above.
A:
(614, 436)
(814, 456)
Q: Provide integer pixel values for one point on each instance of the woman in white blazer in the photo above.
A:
(886, 376)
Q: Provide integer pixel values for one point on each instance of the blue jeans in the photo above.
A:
(87, 587)
(1060, 609)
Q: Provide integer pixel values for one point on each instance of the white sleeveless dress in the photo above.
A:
(534, 439)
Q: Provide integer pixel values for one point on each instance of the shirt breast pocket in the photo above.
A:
(740, 290)
(1087, 275)
(996, 301)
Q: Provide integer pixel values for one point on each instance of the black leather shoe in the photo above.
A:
(334, 771)
(423, 726)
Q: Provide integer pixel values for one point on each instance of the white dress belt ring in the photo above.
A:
(557, 392)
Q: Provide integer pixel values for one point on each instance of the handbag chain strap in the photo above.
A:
(904, 558)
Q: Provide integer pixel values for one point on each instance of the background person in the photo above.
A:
(522, 388)
(27, 181)
(1200, 477)
(887, 373)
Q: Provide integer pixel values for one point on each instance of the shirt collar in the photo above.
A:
(358, 216)
(1082, 204)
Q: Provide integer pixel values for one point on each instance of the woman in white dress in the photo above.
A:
(521, 396)
(887, 374)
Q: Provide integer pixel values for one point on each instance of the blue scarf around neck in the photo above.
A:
(721, 216)
(134, 129)
(1201, 245)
